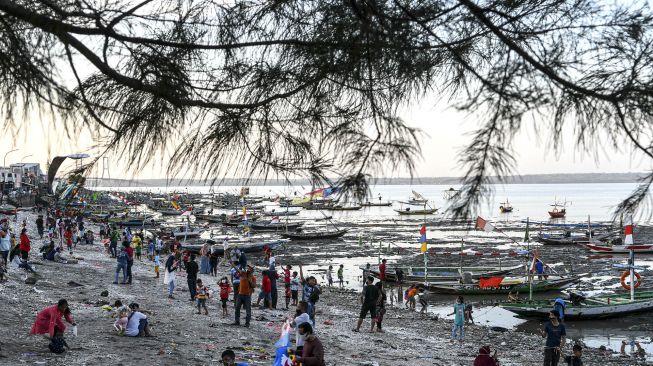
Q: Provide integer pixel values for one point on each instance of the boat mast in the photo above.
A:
(528, 271)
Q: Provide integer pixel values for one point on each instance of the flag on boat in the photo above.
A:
(187, 212)
(175, 205)
(422, 238)
(628, 231)
(493, 282)
(484, 225)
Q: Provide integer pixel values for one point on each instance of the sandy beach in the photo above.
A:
(182, 336)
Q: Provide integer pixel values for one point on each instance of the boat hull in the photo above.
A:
(475, 289)
(416, 212)
(620, 305)
(620, 249)
(434, 274)
(315, 236)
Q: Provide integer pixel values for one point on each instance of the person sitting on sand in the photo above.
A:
(48, 321)
(313, 351)
(137, 324)
(229, 359)
(122, 319)
(484, 358)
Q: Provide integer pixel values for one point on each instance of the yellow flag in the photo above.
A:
(423, 248)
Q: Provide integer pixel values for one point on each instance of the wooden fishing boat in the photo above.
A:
(562, 239)
(210, 218)
(408, 211)
(136, 222)
(244, 246)
(376, 204)
(599, 307)
(276, 226)
(558, 211)
(315, 235)
(595, 247)
(187, 233)
(505, 207)
(435, 274)
(507, 285)
(281, 213)
(344, 208)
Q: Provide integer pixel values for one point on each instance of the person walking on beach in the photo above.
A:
(330, 276)
(459, 319)
(382, 269)
(213, 262)
(39, 226)
(48, 321)
(286, 284)
(202, 294)
(366, 273)
(130, 260)
(245, 291)
(235, 278)
(205, 251)
(5, 247)
(310, 292)
(380, 308)
(113, 242)
(555, 334)
(224, 294)
(157, 263)
(121, 265)
(170, 276)
(341, 276)
(368, 299)
(294, 288)
(266, 291)
(191, 271)
(25, 245)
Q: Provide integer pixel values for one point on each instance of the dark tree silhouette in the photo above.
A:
(312, 88)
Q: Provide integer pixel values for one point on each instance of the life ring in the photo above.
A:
(625, 275)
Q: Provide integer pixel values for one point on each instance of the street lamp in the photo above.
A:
(25, 157)
(4, 161)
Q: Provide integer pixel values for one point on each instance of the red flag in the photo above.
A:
(483, 224)
(490, 282)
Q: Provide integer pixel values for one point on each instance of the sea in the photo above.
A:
(583, 202)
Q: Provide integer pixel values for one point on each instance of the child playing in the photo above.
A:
(410, 297)
(57, 342)
(330, 276)
(294, 287)
(123, 318)
(341, 277)
(266, 291)
(202, 293)
(224, 294)
(157, 263)
(138, 247)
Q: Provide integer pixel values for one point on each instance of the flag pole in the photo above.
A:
(529, 271)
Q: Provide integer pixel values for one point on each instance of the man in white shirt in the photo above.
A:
(137, 325)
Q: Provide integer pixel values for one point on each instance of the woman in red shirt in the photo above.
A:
(24, 244)
(48, 321)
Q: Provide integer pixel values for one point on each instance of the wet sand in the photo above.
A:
(181, 336)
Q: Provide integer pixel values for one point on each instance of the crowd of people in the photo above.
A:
(240, 286)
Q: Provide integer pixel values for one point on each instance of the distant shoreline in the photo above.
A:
(524, 179)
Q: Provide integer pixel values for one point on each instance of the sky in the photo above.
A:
(445, 133)
(38, 138)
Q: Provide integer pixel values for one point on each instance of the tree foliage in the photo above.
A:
(313, 88)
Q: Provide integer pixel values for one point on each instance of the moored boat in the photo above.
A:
(433, 274)
(599, 307)
(506, 285)
(315, 235)
(505, 207)
(619, 249)
(408, 211)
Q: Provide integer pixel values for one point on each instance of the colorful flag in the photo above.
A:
(175, 205)
(628, 231)
(187, 212)
(281, 355)
(483, 224)
(422, 238)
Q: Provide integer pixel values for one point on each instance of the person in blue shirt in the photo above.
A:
(559, 306)
(539, 269)
(229, 359)
(555, 334)
(459, 319)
